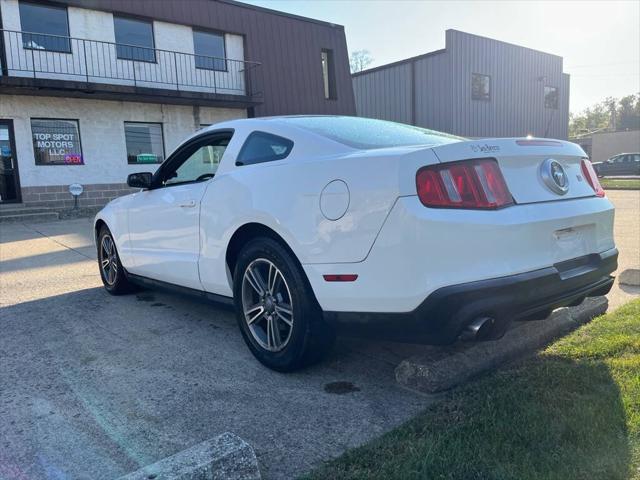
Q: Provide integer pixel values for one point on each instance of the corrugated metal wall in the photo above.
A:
(443, 90)
(565, 95)
(433, 92)
(385, 94)
(518, 77)
(288, 47)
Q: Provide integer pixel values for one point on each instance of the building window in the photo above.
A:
(480, 86)
(263, 147)
(550, 97)
(209, 50)
(145, 143)
(328, 74)
(46, 27)
(134, 39)
(56, 141)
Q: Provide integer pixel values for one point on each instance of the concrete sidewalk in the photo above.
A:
(627, 235)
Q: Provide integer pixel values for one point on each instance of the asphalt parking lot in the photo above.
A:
(94, 386)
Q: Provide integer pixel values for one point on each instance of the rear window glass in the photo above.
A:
(367, 133)
(263, 147)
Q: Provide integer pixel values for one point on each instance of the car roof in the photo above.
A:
(286, 125)
(278, 120)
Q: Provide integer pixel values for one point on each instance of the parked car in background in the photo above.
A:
(622, 164)
(306, 222)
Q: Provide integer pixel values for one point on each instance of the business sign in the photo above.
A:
(76, 189)
(56, 142)
(147, 158)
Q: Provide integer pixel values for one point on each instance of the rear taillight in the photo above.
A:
(469, 184)
(591, 177)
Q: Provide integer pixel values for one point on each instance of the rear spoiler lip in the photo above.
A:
(534, 142)
(496, 147)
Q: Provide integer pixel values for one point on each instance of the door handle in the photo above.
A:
(189, 204)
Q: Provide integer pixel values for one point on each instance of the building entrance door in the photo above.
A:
(9, 181)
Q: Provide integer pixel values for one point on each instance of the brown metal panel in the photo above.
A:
(288, 47)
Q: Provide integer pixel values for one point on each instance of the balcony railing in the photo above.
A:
(56, 57)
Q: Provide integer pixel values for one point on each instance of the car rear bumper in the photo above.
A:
(420, 250)
(442, 316)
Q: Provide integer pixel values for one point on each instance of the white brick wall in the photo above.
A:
(101, 132)
(102, 65)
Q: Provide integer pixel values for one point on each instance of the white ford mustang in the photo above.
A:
(309, 222)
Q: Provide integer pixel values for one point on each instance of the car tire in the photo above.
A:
(277, 312)
(114, 277)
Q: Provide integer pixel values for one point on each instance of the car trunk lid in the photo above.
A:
(526, 166)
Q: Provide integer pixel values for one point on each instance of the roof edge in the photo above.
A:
(399, 62)
(437, 52)
(280, 13)
(503, 42)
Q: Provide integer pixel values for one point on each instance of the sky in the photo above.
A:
(599, 40)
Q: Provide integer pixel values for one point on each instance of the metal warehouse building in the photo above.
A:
(91, 91)
(474, 87)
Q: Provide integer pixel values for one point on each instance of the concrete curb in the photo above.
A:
(225, 457)
(427, 375)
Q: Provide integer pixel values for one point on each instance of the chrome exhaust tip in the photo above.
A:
(478, 329)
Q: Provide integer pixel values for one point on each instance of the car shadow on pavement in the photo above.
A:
(96, 386)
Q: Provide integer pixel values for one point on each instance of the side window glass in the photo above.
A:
(636, 158)
(201, 165)
(263, 147)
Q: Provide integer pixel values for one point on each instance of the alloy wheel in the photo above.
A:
(267, 305)
(108, 260)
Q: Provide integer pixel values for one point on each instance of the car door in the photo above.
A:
(627, 167)
(164, 221)
(619, 165)
(635, 164)
(609, 166)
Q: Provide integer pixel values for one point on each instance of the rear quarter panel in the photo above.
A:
(285, 196)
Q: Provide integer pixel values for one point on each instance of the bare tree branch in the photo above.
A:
(359, 60)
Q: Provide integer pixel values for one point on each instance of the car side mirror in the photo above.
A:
(140, 180)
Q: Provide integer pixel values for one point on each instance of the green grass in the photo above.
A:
(571, 412)
(620, 183)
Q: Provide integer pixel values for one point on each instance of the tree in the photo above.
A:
(611, 114)
(359, 60)
(629, 113)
